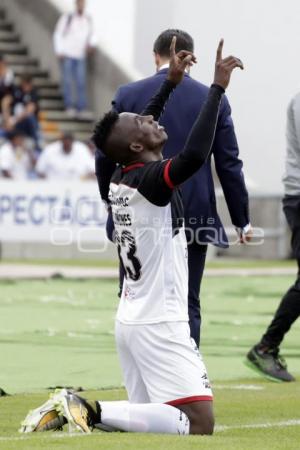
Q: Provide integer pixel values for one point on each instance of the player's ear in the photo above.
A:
(136, 147)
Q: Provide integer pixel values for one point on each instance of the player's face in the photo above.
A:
(153, 135)
(80, 4)
(142, 131)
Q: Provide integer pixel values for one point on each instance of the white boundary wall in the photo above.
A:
(57, 213)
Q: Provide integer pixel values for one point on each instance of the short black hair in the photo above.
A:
(103, 129)
(67, 135)
(11, 135)
(162, 44)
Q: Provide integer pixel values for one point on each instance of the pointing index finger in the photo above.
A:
(219, 50)
(173, 46)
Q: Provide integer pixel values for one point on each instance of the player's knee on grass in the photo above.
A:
(201, 417)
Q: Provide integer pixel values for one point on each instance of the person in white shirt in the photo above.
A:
(15, 160)
(6, 74)
(74, 39)
(66, 159)
(6, 84)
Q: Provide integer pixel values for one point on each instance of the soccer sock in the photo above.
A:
(144, 418)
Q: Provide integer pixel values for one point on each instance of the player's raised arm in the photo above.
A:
(224, 67)
(200, 140)
(178, 64)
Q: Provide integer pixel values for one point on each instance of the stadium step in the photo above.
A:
(49, 93)
(12, 49)
(51, 104)
(34, 71)
(55, 135)
(6, 26)
(4, 22)
(9, 36)
(53, 118)
(76, 126)
(41, 83)
(59, 116)
(21, 60)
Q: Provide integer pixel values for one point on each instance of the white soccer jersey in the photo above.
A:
(149, 233)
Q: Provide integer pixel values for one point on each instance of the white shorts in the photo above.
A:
(161, 364)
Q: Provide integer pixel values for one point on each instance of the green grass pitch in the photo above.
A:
(60, 333)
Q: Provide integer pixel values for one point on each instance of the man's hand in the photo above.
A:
(224, 67)
(179, 62)
(246, 237)
(90, 50)
(245, 234)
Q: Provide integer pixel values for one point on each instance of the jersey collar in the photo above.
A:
(132, 166)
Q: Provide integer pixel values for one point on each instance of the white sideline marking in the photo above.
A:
(238, 387)
(69, 300)
(287, 423)
(218, 429)
(51, 436)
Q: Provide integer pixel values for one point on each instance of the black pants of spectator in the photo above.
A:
(30, 127)
(289, 308)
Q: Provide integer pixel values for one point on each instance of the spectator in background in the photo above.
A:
(6, 74)
(6, 82)
(20, 110)
(73, 40)
(66, 159)
(16, 161)
(265, 356)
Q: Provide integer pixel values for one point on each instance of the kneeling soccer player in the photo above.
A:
(165, 377)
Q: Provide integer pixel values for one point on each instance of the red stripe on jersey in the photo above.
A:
(167, 176)
(132, 166)
(195, 398)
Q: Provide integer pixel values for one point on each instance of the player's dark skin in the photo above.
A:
(140, 139)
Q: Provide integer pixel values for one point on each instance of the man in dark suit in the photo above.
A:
(203, 225)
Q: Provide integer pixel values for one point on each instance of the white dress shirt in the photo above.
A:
(291, 179)
(73, 35)
(55, 164)
(14, 160)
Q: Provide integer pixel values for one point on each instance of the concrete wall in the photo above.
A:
(272, 239)
(266, 215)
(265, 34)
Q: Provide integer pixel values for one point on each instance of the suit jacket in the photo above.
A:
(178, 118)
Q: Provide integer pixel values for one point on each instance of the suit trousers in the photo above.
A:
(289, 308)
(196, 263)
